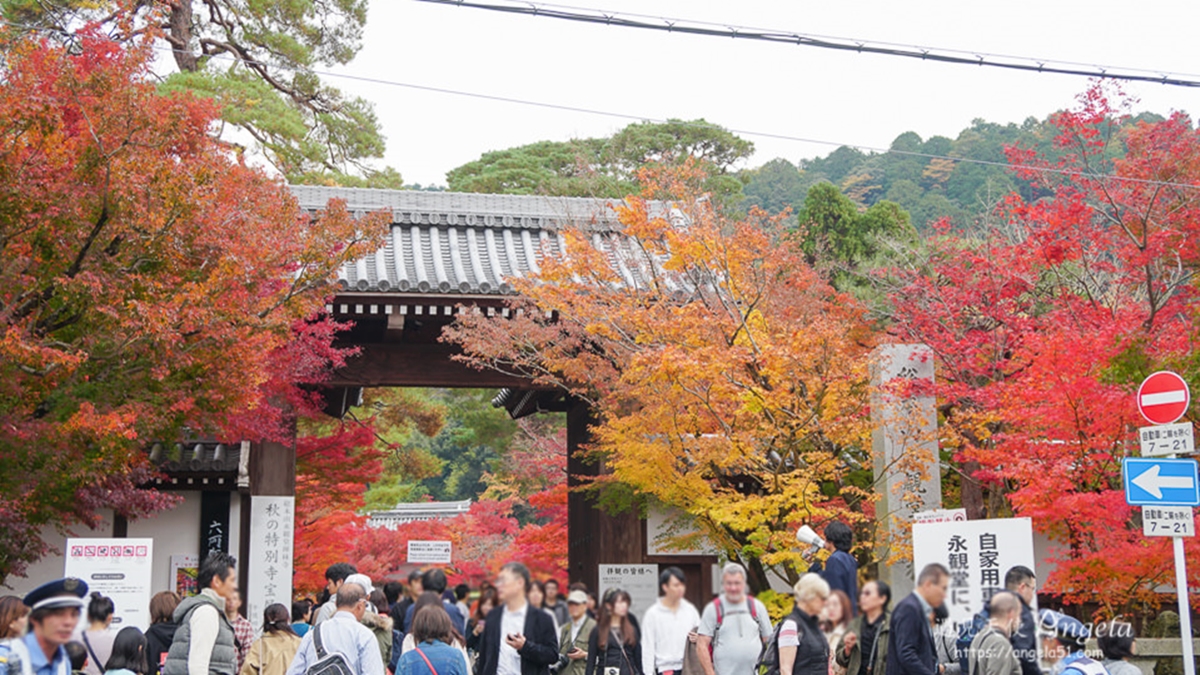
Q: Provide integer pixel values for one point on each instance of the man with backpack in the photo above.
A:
(733, 628)
(340, 645)
(1022, 582)
(991, 652)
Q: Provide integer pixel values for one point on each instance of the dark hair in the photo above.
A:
(547, 582)
(932, 573)
(487, 596)
(162, 606)
(128, 651)
(216, 565)
(414, 575)
(432, 623)
(392, 591)
(76, 654)
(665, 577)
(578, 586)
(1017, 576)
(604, 618)
(431, 599)
(883, 590)
(275, 619)
(941, 613)
(11, 609)
(378, 599)
(519, 570)
(1115, 640)
(339, 571)
(434, 580)
(461, 592)
(840, 535)
(299, 609)
(100, 608)
(323, 596)
(541, 589)
(349, 595)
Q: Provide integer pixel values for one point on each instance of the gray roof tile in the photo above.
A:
(470, 244)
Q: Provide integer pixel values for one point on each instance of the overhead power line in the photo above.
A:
(710, 29)
(642, 118)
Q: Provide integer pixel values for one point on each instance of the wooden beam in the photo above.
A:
(416, 365)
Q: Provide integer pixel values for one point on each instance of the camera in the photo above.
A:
(563, 662)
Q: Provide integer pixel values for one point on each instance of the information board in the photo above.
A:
(424, 552)
(640, 581)
(116, 568)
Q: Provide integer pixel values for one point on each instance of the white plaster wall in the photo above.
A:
(175, 532)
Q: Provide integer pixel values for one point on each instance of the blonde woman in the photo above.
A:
(803, 649)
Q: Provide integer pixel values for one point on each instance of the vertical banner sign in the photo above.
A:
(978, 554)
(214, 522)
(640, 581)
(119, 569)
(270, 572)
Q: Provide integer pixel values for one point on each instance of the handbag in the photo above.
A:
(426, 658)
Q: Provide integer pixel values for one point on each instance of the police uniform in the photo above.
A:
(23, 655)
(1078, 662)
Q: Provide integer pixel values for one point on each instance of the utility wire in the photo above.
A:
(641, 118)
(709, 29)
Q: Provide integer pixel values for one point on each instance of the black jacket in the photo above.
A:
(541, 643)
(630, 661)
(911, 650)
(158, 642)
(1025, 642)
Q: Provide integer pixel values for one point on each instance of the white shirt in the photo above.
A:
(205, 624)
(341, 633)
(665, 636)
(513, 623)
(576, 626)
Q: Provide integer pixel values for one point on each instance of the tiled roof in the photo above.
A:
(470, 244)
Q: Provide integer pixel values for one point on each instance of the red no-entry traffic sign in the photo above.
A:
(1163, 397)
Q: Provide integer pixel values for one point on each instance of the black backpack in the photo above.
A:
(328, 663)
(768, 661)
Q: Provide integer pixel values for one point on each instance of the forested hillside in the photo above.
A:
(925, 177)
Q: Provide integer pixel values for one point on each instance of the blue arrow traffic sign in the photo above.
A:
(1161, 482)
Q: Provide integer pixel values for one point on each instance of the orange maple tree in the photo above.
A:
(150, 282)
(730, 380)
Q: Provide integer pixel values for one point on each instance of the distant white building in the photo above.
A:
(410, 512)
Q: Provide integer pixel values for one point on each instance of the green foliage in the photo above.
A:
(258, 60)
(921, 176)
(778, 604)
(608, 167)
(845, 241)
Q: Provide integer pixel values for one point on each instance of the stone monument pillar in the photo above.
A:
(905, 448)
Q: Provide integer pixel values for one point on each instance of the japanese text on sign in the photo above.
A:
(1168, 521)
(978, 554)
(270, 572)
(430, 552)
(1167, 439)
(640, 581)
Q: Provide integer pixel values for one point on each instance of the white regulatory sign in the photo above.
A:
(1168, 521)
(1167, 439)
(429, 552)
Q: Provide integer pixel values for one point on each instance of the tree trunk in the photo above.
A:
(180, 28)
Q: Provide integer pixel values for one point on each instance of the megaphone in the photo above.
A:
(806, 535)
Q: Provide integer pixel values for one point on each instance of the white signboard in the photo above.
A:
(269, 576)
(978, 554)
(940, 516)
(1167, 439)
(119, 569)
(1168, 521)
(430, 552)
(640, 581)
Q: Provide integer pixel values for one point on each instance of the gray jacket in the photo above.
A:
(991, 653)
(853, 662)
(224, 659)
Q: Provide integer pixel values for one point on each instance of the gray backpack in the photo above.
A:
(328, 663)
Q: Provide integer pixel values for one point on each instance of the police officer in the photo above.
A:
(1064, 639)
(54, 612)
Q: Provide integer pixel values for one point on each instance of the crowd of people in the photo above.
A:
(522, 626)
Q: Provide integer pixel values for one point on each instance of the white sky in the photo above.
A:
(799, 91)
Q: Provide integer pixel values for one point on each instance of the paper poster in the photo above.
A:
(429, 552)
(183, 575)
(119, 569)
(269, 576)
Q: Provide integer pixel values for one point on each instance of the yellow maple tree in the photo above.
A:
(729, 380)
